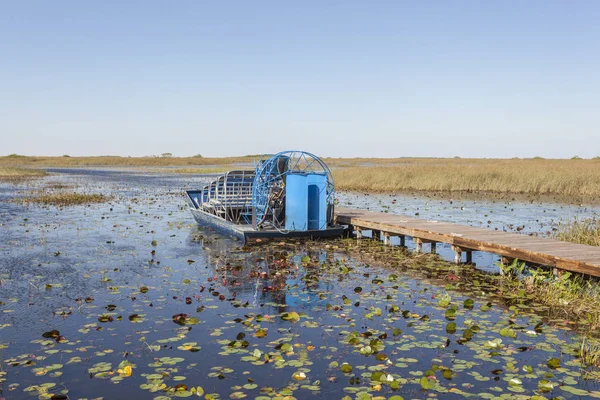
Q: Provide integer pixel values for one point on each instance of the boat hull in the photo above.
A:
(246, 234)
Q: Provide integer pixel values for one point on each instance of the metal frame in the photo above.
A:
(268, 189)
(229, 196)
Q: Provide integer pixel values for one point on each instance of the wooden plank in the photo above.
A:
(539, 250)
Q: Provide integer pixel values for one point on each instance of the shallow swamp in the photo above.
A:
(130, 298)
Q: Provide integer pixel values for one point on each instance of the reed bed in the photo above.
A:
(585, 231)
(578, 178)
(103, 161)
(202, 171)
(66, 199)
(19, 174)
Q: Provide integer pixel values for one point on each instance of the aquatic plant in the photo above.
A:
(589, 351)
(567, 295)
(66, 199)
(585, 231)
(201, 171)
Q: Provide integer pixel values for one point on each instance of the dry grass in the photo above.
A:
(581, 231)
(119, 161)
(574, 177)
(66, 199)
(201, 171)
(11, 174)
(579, 178)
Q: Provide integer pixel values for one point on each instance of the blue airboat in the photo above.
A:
(287, 195)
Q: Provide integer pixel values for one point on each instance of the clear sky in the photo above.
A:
(336, 78)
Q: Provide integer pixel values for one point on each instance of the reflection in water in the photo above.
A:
(267, 274)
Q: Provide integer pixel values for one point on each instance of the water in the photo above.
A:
(111, 278)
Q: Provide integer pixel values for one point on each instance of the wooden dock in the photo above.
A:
(466, 239)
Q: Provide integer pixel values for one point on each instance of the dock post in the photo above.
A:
(419, 244)
(402, 241)
(433, 247)
(349, 231)
(386, 239)
(359, 232)
(469, 256)
(457, 254)
(375, 234)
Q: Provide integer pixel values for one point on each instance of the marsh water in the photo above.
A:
(130, 299)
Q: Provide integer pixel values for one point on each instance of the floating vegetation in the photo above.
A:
(66, 199)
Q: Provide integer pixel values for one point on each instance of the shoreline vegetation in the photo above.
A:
(585, 231)
(10, 174)
(575, 179)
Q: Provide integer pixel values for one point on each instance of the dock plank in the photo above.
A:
(568, 256)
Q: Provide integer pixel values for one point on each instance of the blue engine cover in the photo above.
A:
(305, 202)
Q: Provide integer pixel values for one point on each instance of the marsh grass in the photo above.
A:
(11, 174)
(56, 185)
(589, 352)
(65, 198)
(102, 161)
(202, 171)
(585, 231)
(578, 178)
(571, 296)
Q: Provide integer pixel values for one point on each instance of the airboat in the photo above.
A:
(287, 195)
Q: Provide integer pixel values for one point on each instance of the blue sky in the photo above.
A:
(336, 78)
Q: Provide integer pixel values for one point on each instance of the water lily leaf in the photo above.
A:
(508, 332)
(553, 363)
(51, 334)
(299, 376)
(261, 332)
(515, 382)
(291, 316)
(468, 304)
(545, 386)
(427, 383)
(346, 368)
(451, 327)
